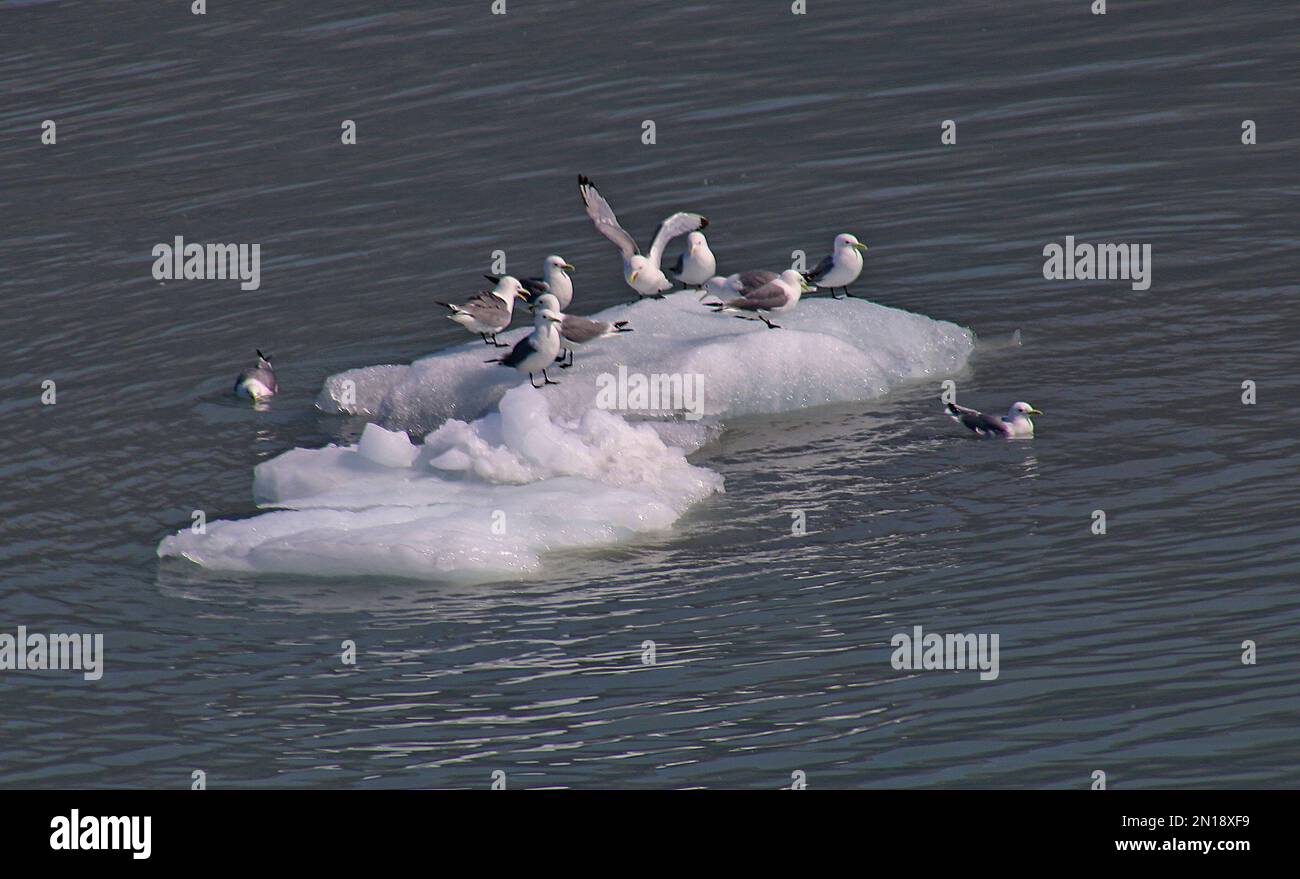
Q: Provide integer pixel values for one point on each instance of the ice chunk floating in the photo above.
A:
(507, 473)
(476, 501)
(827, 352)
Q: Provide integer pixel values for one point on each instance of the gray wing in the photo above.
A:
(603, 216)
(975, 420)
(487, 308)
(677, 224)
(582, 329)
(822, 268)
(680, 264)
(265, 376)
(522, 349)
(768, 296)
(750, 281)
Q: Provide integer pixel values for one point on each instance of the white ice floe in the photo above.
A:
(826, 352)
(508, 472)
(475, 502)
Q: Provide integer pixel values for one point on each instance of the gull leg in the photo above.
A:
(770, 325)
(530, 379)
(560, 359)
(498, 344)
(547, 379)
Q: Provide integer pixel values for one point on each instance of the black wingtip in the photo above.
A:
(622, 327)
(953, 409)
(704, 222)
(261, 356)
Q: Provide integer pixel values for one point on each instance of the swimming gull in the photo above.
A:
(257, 382)
(1014, 424)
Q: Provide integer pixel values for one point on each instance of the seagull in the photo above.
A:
(696, 264)
(539, 349)
(1014, 424)
(553, 280)
(841, 268)
(488, 313)
(578, 330)
(257, 382)
(777, 295)
(642, 273)
(738, 284)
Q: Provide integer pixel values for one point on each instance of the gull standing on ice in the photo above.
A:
(696, 264)
(642, 273)
(841, 268)
(778, 295)
(578, 330)
(540, 348)
(257, 382)
(488, 313)
(738, 284)
(553, 280)
(1014, 424)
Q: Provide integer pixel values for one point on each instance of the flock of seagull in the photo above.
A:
(751, 295)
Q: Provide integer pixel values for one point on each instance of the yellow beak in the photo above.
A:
(634, 274)
(1034, 412)
(859, 245)
(568, 268)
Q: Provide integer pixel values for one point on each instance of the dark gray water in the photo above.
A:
(1119, 652)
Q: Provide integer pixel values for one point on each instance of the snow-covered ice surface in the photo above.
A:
(507, 473)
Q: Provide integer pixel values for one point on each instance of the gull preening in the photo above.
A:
(696, 264)
(1015, 423)
(641, 272)
(489, 313)
(540, 348)
(841, 268)
(554, 280)
(778, 294)
(257, 382)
